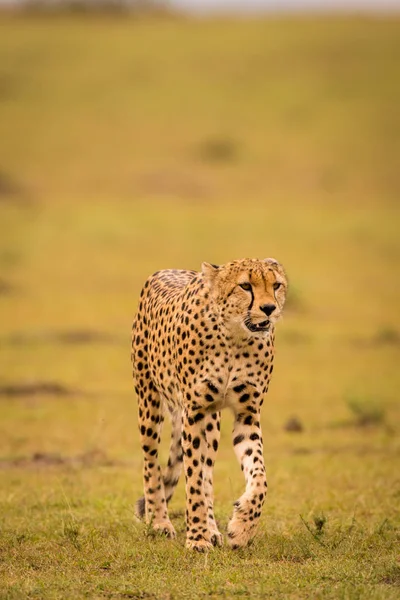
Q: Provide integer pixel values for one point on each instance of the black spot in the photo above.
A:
(254, 436)
(196, 442)
(238, 439)
(244, 398)
(212, 387)
(198, 417)
(249, 452)
(239, 388)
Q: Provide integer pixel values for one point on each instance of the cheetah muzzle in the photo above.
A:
(263, 326)
(201, 342)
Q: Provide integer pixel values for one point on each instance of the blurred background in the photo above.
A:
(142, 136)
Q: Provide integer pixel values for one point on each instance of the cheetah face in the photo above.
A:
(249, 293)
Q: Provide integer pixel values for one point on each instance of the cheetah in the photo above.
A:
(201, 342)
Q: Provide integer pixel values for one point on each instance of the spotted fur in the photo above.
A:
(202, 342)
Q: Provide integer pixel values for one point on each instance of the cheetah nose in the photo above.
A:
(268, 309)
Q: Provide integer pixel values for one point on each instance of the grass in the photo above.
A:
(367, 411)
(130, 145)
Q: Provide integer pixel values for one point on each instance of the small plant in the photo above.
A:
(367, 411)
(387, 335)
(318, 529)
(319, 522)
(217, 149)
(71, 532)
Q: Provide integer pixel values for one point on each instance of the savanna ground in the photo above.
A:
(127, 146)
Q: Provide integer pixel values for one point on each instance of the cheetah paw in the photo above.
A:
(165, 528)
(201, 545)
(239, 533)
(216, 538)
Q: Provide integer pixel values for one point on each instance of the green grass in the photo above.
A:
(130, 145)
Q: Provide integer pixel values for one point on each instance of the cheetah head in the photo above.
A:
(248, 293)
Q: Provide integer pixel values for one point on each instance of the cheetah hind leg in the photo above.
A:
(151, 418)
(173, 469)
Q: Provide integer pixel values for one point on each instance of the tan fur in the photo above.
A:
(202, 342)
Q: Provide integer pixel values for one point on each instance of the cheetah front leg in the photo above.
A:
(247, 440)
(194, 444)
(212, 426)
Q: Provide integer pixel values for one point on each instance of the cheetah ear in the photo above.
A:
(271, 261)
(274, 263)
(209, 271)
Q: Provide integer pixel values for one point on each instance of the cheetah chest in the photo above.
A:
(218, 378)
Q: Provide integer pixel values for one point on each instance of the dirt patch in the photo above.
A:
(73, 336)
(294, 425)
(39, 388)
(11, 190)
(387, 336)
(83, 336)
(172, 183)
(40, 460)
(392, 576)
(217, 150)
(6, 288)
(302, 451)
(357, 449)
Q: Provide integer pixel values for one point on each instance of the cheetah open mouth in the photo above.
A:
(263, 326)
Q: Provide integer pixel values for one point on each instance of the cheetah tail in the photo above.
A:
(140, 508)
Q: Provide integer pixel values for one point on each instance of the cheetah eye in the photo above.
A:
(245, 286)
(277, 285)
